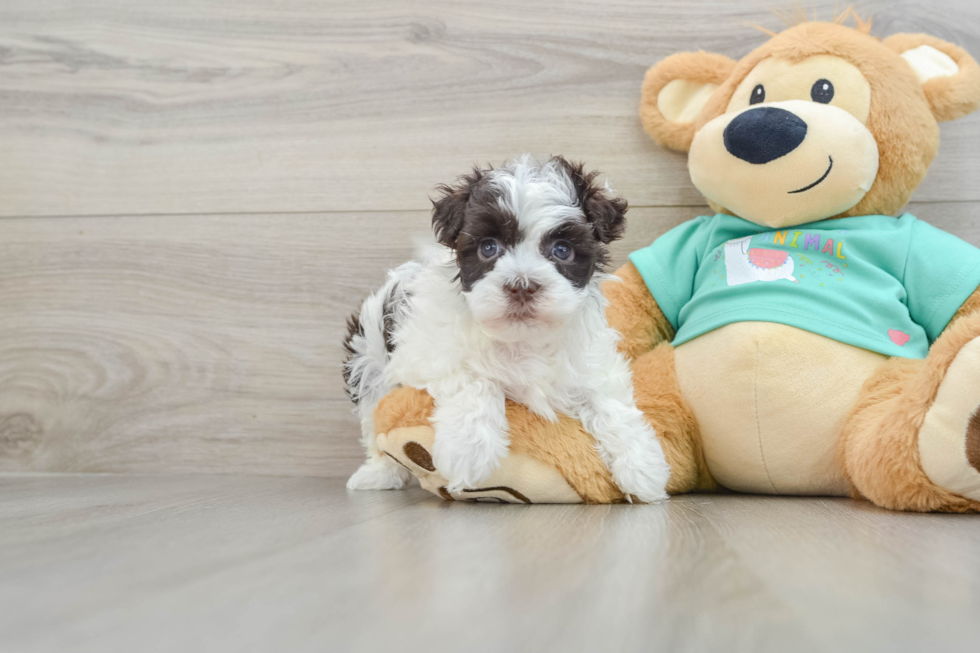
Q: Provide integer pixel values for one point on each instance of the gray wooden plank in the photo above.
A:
(122, 107)
(208, 343)
(232, 564)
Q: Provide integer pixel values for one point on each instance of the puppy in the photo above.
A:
(509, 307)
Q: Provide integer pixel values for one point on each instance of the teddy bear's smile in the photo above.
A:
(817, 182)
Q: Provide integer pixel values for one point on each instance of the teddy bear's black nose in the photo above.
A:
(764, 134)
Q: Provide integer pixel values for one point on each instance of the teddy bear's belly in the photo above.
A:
(769, 400)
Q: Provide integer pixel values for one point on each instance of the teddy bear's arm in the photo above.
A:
(969, 307)
(634, 313)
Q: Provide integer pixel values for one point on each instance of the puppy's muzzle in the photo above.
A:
(522, 291)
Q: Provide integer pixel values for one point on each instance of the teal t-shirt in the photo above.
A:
(890, 285)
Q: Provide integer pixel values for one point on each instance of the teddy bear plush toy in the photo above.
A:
(802, 340)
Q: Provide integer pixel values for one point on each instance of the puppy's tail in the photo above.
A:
(369, 343)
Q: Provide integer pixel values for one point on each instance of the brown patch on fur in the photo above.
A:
(449, 208)
(973, 441)
(418, 455)
(444, 493)
(658, 395)
(354, 328)
(701, 67)
(879, 444)
(588, 254)
(606, 214)
(634, 313)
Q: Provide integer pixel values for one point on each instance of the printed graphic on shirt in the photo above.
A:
(746, 264)
(898, 337)
(889, 285)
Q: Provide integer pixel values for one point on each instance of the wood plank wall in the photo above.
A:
(194, 195)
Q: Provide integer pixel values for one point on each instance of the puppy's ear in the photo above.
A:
(950, 77)
(605, 213)
(674, 93)
(449, 207)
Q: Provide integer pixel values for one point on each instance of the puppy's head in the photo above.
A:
(529, 237)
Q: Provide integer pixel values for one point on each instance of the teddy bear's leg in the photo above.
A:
(658, 396)
(552, 462)
(912, 441)
(403, 417)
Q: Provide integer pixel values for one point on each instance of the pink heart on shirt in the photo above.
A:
(898, 337)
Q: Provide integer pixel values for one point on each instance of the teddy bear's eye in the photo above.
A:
(822, 91)
(758, 94)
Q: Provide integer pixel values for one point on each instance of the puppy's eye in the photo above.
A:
(562, 251)
(489, 248)
(822, 91)
(758, 94)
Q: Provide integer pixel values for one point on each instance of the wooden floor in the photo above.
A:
(195, 194)
(231, 563)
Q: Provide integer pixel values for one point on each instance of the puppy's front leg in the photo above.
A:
(625, 440)
(471, 429)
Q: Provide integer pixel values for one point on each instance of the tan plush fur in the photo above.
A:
(949, 97)
(879, 441)
(567, 446)
(969, 307)
(403, 407)
(634, 313)
(659, 396)
(691, 66)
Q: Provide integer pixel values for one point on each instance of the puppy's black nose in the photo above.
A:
(522, 291)
(764, 134)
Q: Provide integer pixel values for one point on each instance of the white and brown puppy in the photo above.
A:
(508, 308)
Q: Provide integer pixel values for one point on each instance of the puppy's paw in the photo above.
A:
(379, 474)
(464, 462)
(643, 472)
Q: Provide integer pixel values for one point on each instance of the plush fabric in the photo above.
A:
(762, 406)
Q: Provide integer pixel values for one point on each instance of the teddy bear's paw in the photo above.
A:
(949, 440)
(643, 473)
(379, 474)
(466, 461)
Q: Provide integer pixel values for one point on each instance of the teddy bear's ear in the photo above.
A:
(950, 77)
(676, 90)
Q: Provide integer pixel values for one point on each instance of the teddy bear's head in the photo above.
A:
(821, 121)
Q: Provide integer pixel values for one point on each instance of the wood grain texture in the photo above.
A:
(102, 563)
(189, 106)
(208, 343)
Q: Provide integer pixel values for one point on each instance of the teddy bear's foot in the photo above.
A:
(379, 473)
(949, 441)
